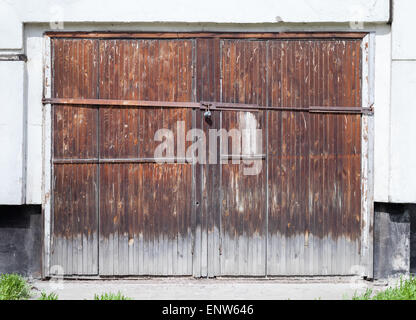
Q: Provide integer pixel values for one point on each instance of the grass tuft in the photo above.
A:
(111, 296)
(405, 290)
(13, 287)
(50, 296)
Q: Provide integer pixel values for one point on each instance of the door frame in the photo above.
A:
(367, 155)
(365, 269)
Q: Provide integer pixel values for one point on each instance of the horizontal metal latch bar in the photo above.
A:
(222, 106)
(243, 157)
(122, 103)
(152, 160)
(230, 105)
(333, 109)
(120, 160)
(13, 57)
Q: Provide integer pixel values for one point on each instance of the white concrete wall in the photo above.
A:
(34, 67)
(10, 25)
(403, 132)
(402, 175)
(16, 12)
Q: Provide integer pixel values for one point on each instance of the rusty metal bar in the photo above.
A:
(120, 160)
(204, 105)
(121, 103)
(229, 106)
(243, 157)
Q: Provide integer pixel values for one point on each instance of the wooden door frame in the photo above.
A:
(365, 269)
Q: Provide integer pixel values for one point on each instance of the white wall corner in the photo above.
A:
(403, 133)
(12, 132)
(34, 87)
(14, 13)
(215, 11)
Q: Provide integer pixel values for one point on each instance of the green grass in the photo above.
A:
(50, 296)
(405, 290)
(13, 287)
(111, 296)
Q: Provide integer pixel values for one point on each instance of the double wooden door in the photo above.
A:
(287, 201)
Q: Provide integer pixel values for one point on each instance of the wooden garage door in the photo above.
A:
(117, 211)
